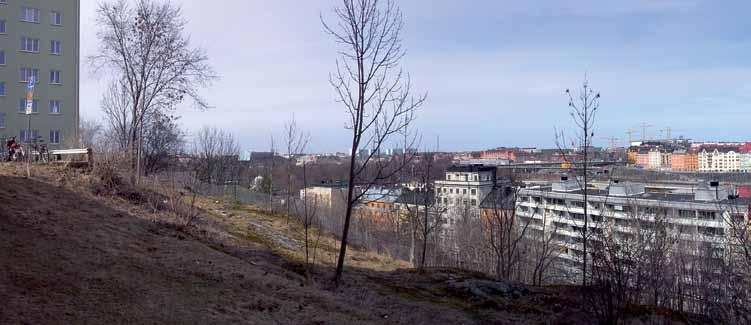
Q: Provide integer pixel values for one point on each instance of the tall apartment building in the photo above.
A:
(40, 39)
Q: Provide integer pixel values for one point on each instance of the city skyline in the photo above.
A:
(495, 72)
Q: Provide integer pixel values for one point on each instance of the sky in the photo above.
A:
(495, 72)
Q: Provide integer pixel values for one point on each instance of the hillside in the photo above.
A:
(69, 256)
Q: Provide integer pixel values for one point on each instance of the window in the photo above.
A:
(54, 107)
(22, 106)
(464, 191)
(30, 15)
(27, 136)
(2, 89)
(2, 57)
(451, 191)
(54, 136)
(2, 26)
(55, 48)
(473, 191)
(56, 18)
(27, 73)
(30, 45)
(55, 77)
(2, 120)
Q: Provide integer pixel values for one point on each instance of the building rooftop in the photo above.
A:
(657, 196)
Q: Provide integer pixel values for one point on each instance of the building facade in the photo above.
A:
(719, 159)
(463, 189)
(697, 219)
(684, 161)
(40, 39)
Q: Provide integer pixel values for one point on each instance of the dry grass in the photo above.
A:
(72, 254)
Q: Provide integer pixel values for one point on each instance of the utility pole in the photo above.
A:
(29, 111)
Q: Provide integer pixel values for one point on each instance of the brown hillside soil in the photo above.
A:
(70, 257)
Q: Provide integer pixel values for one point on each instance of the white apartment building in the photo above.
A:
(557, 210)
(719, 159)
(655, 159)
(463, 189)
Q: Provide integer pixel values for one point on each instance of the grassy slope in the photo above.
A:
(67, 256)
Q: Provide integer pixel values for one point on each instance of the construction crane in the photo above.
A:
(630, 134)
(644, 127)
(613, 143)
(666, 131)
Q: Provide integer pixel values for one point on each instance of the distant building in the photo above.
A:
(684, 161)
(498, 154)
(326, 195)
(377, 204)
(719, 159)
(642, 158)
(655, 158)
(463, 189)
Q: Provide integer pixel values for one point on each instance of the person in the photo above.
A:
(12, 147)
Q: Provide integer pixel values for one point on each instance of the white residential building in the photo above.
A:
(655, 159)
(719, 159)
(463, 189)
(698, 219)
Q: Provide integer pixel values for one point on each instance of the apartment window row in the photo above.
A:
(25, 74)
(31, 45)
(33, 15)
(26, 135)
(55, 106)
(449, 190)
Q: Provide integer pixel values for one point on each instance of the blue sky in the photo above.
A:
(495, 71)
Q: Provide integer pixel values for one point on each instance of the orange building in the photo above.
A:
(498, 155)
(632, 157)
(642, 158)
(685, 161)
(377, 204)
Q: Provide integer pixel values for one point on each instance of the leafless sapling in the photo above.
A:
(374, 90)
(583, 112)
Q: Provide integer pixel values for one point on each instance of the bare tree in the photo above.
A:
(163, 141)
(215, 154)
(296, 141)
(505, 230)
(145, 47)
(372, 87)
(89, 132)
(583, 113)
(116, 107)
